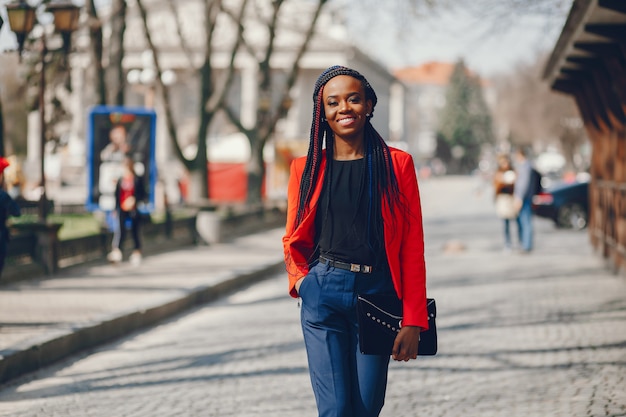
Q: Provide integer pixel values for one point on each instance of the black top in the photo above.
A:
(8, 207)
(140, 191)
(342, 221)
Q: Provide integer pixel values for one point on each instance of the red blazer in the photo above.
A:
(404, 237)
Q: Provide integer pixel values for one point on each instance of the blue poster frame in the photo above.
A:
(96, 124)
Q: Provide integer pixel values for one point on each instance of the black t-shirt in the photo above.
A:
(342, 221)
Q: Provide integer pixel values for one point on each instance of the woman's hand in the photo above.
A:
(128, 204)
(406, 344)
(298, 283)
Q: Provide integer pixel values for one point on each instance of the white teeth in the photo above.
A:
(346, 121)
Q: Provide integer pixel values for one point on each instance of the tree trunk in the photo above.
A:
(197, 186)
(115, 72)
(95, 33)
(199, 162)
(256, 174)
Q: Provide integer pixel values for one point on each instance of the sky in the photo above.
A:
(488, 45)
(446, 34)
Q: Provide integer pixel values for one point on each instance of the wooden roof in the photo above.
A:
(589, 60)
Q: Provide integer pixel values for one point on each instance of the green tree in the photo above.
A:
(465, 122)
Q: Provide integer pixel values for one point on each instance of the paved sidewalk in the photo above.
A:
(519, 335)
(44, 320)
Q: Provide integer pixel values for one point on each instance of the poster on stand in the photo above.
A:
(116, 133)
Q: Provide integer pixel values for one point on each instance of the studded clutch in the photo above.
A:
(380, 321)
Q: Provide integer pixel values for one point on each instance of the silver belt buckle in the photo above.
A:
(355, 268)
(367, 269)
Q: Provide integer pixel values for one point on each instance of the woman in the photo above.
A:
(503, 184)
(128, 192)
(352, 207)
(8, 207)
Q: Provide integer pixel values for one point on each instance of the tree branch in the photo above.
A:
(285, 102)
(217, 100)
(169, 119)
(179, 32)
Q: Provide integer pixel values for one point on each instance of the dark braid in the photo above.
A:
(381, 177)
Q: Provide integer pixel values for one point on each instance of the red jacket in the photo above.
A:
(404, 237)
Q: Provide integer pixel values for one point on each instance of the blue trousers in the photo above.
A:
(525, 221)
(345, 382)
(508, 241)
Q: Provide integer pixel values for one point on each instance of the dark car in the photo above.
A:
(567, 204)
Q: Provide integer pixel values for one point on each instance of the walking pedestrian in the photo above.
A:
(129, 191)
(354, 226)
(506, 209)
(8, 207)
(523, 192)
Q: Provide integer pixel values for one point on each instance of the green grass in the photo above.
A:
(73, 225)
(86, 224)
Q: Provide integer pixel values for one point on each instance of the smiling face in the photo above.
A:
(345, 107)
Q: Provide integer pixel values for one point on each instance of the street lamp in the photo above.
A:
(22, 20)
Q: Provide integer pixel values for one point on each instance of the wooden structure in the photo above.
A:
(589, 63)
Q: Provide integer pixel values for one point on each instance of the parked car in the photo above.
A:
(567, 204)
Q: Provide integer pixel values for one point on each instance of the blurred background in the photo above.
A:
(231, 81)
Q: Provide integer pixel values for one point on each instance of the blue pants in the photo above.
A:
(508, 241)
(345, 382)
(525, 219)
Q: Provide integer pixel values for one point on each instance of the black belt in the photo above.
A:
(365, 269)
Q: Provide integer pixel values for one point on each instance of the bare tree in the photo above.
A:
(215, 85)
(269, 112)
(94, 26)
(115, 72)
(531, 114)
(211, 97)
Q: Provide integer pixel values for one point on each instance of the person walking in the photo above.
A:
(129, 191)
(8, 207)
(523, 192)
(354, 226)
(506, 209)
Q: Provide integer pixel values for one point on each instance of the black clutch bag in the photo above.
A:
(380, 320)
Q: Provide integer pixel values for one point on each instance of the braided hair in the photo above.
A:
(381, 181)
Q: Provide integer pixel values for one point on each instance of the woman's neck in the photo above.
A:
(348, 151)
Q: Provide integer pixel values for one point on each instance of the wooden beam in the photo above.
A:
(574, 88)
(615, 32)
(603, 50)
(615, 5)
(612, 81)
(614, 62)
(596, 100)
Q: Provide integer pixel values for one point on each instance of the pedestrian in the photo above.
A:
(506, 209)
(523, 192)
(8, 207)
(129, 191)
(111, 166)
(354, 226)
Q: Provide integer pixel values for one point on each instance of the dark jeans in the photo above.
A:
(525, 219)
(346, 383)
(508, 241)
(120, 232)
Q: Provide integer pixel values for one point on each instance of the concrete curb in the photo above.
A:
(34, 357)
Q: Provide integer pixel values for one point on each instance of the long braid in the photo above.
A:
(380, 169)
(385, 184)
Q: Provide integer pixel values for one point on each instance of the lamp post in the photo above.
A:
(22, 19)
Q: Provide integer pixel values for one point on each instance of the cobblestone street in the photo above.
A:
(532, 335)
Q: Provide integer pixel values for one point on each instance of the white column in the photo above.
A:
(33, 151)
(249, 94)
